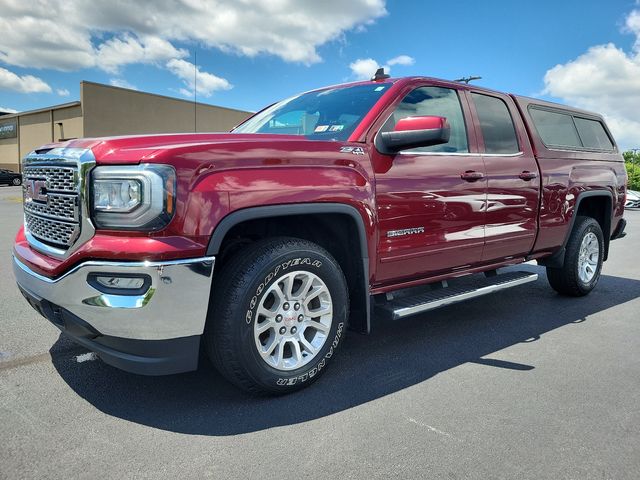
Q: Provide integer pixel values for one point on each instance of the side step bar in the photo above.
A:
(399, 308)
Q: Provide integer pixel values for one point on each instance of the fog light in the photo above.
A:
(119, 284)
(130, 283)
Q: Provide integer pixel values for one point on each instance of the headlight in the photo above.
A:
(116, 195)
(137, 197)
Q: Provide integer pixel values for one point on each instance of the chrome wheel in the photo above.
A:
(293, 320)
(588, 257)
(16, 182)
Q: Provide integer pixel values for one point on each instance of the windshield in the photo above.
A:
(330, 114)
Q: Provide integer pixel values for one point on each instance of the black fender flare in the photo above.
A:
(272, 211)
(557, 259)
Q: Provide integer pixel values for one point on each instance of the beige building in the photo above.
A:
(104, 110)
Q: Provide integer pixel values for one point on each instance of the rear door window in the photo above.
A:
(496, 125)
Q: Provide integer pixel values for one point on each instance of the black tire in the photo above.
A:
(566, 280)
(239, 289)
(16, 181)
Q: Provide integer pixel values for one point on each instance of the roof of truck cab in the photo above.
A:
(520, 98)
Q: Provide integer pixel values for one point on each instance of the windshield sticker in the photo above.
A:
(321, 128)
(379, 89)
(336, 128)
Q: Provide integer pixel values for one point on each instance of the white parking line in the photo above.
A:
(86, 357)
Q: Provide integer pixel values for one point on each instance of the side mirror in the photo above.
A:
(413, 132)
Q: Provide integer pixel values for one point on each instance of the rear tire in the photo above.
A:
(278, 313)
(582, 262)
(16, 182)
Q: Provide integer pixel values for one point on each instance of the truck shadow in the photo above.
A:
(394, 357)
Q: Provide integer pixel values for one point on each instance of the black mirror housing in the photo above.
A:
(413, 132)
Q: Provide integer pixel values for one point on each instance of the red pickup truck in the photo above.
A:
(262, 245)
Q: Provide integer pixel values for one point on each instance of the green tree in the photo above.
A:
(632, 162)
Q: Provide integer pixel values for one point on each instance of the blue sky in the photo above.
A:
(266, 50)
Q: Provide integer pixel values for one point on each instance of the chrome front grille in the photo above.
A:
(62, 234)
(59, 179)
(58, 207)
(51, 204)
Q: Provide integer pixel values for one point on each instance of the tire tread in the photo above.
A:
(564, 280)
(235, 278)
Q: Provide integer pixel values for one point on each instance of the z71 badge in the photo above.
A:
(354, 150)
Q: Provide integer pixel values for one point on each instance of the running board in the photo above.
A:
(398, 308)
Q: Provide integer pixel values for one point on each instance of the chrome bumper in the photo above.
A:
(174, 305)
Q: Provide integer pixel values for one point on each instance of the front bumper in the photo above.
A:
(154, 332)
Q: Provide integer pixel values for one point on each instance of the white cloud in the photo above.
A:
(365, 68)
(205, 83)
(604, 79)
(22, 84)
(405, 60)
(109, 35)
(122, 83)
(117, 52)
(63, 92)
(38, 39)
(8, 110)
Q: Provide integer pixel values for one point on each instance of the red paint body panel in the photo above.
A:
(512, 202)
(417, 190)
(112, 247)
(468, 225)
(565, 174)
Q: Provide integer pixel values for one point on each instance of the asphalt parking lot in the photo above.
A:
(524, 384)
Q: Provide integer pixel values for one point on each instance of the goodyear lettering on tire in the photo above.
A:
(270, 276)
(315, 370)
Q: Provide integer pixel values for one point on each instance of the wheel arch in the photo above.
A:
(256, 220)
(597, 204)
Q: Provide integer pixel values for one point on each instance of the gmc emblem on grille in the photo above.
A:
(35, 190)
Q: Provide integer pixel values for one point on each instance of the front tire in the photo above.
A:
(16, 182)
(278, 313)
(582, 262)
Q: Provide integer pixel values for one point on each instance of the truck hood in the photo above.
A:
(135, 149)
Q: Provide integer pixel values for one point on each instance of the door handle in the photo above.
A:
(472, 176)
(527, 175)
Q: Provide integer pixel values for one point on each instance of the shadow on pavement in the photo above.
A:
(395, 356)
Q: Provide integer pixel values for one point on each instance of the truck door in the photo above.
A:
(513, 180)
(430, 201)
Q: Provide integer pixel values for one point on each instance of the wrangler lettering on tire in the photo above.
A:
(278, 314)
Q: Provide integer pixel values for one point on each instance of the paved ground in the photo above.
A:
(526, 384)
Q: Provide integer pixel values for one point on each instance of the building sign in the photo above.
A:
(8, 129)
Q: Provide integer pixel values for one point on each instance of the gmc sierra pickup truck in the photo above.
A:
(262, 245)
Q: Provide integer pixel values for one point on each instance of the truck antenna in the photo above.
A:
(379, 75)
(467, 79)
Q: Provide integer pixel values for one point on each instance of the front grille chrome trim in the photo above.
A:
(59, 233)
(58, 207)
(59, 178)
(58, 163)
